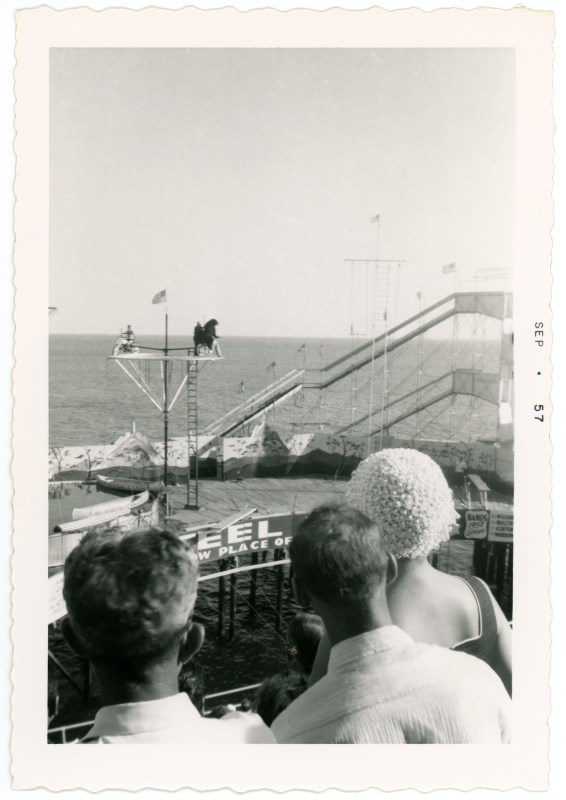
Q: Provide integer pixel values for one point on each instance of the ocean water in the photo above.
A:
(92, 401)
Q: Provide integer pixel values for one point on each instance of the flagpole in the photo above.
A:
(165, 396)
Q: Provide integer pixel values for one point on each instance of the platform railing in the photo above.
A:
(69, 733)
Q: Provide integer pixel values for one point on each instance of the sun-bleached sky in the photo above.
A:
(241, 179)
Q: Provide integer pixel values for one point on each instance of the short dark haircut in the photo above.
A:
(191, 682)
(278, 692)
(338, 555)
(130, 596)
(304, 633)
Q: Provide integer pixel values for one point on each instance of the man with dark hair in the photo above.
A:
(130, 600)
(381, 686)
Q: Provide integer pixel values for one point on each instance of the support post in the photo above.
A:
(480, 558)
(233, 603)
(490, 564)
(221, 599)
(253, 585)
(165, 403)
(500, 571)
(507, 593)
(279, 601)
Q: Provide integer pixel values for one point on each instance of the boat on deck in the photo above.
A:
(130, 485)
(106, 515)
(118, 506)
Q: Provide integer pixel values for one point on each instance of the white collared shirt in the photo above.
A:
(383, 687)
(174, 720)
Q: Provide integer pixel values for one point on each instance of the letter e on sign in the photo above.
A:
(212, 540)
(239, 533)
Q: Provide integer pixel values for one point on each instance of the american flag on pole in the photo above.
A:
(302, 348)
(375, 219)
(160, 297)
(449, 268)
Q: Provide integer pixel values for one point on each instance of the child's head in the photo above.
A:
(304, 633)
(278, 692)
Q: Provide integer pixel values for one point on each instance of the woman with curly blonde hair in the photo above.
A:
(406, 494)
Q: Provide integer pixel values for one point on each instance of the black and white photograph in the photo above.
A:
(281, 337)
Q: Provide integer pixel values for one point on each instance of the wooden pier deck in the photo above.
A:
(220, 499)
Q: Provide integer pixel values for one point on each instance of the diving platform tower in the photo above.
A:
(139, 365)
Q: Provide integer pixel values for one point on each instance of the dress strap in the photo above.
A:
(485, 603)
(484, 645)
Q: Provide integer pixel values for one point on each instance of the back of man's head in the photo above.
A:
(130, 596)
(338, 556)
(278, 692)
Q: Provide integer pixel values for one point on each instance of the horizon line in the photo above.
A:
(226, 336)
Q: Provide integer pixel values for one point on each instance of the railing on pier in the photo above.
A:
(64, 734)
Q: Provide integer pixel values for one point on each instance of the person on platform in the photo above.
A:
(406, 494)
(130, 600)
(211, 337)
(198, 335)
(125, 342)
(129, 338)
(381, 685)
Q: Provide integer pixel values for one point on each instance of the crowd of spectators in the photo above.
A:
(388, 649)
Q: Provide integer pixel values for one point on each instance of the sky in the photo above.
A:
(240, 180)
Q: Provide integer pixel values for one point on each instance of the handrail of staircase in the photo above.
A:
(257, 397)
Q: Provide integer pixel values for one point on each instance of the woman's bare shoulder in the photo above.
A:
(436, 608)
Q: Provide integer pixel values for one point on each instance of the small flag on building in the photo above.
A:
(160, 297)
(449, 268)
(419, 295)
(302, 348)
(375, 219)
(271, 367)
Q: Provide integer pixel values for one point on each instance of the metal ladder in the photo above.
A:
(192, 434)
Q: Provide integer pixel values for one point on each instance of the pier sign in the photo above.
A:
(253, 535)
(500, 526)
(476, 524)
